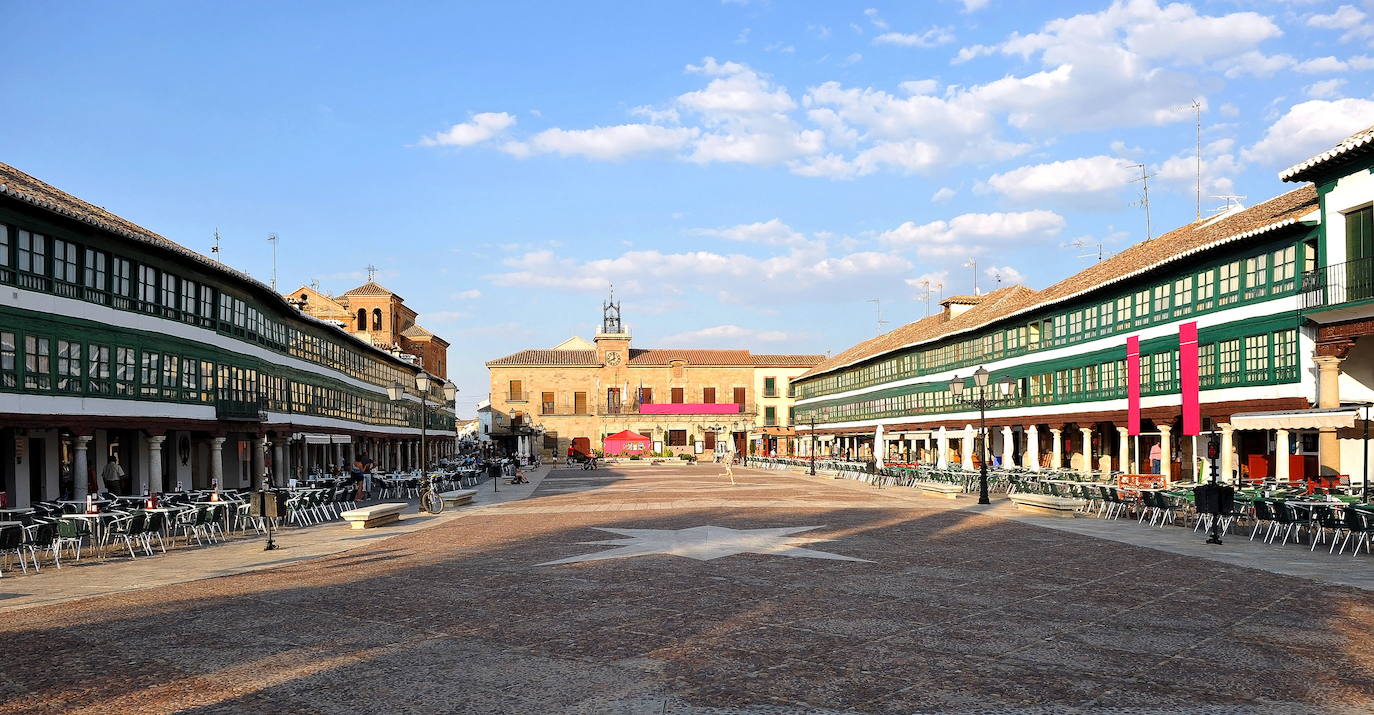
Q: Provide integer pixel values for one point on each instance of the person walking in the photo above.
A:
(113, 475)
(1155, 454)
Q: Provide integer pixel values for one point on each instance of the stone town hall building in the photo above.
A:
(685, 400)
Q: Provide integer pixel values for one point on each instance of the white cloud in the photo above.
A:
(605, 143)
(944, 194)
(1309, 128)
(876, 19)
(974, 5)
(1325, 89)
(933, 37)
(772, 232)
(1345, 17)
(482, 127)
(467, 294)
(725, 336)
(919, 86)
(1321, 65)
(972, 233)
(1076, 180)
(854, 58)
(1219, 165)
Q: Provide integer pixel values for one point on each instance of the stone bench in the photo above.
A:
(942, 489)
(1064, 507)
(369, 516)
(458, 497)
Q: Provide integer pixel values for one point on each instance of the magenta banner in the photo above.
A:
(1188, 378)
(692, 408)
(1133, 385)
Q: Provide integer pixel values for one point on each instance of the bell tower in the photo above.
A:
(613, 340)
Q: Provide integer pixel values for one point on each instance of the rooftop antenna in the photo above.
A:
(1197, 110)
(315, 285)
(997, 276)
(371, 272)
(272, 239)
(1145, 200)
(1087, 243)
(1229, 202)
(214, 250)
(878, 306)
(973, 263)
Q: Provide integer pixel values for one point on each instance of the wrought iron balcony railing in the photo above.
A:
(1347, 282)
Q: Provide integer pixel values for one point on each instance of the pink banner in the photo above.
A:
(1133, 385)
(1188, 378)
(728, 408)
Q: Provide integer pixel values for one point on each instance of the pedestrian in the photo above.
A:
(730, 471)
(113, 475)
(1155, 454)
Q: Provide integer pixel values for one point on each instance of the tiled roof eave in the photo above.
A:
(1294, 172)
(1054, 301)
(7, 190)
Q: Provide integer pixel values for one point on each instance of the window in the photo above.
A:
(1256, 276)
(579, 403)
(739, 395)
(1206, 289)
(1285, 262)
(646, 395)
(376, 318)
(1123, 312)
(1207, 364)
(171, 376)
(546, 406)
(770, 416)
(7, 360)
(770, 387)
(1161, 300)
(362, 319)
(613, 400)
(708, 395)
(1228, 282)
(150, 376)
(122, 278)
(188, 300)
(1257, 358)
(190, 381)
(147, 288)
(169, 292)
(710, 441)
(68, 366)
(124, 371)
(1142, 306)
(1183, 295)
(1165, 371)
(1228, 365)
(4, 251)
(677, 395)
(517, 391)
(98, 369)
(1104, 317)
(1076, 323)
(1286, 355)
(37, 363)
(792, 414)
(96, 273)
(31, 250)
(64, 260)
(677, 438)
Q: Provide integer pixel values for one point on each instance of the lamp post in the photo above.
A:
(813, 444)
(982, 399)
(422, 383)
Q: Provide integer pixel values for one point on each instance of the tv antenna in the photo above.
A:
(371, 271)
(973, 263)
(272, 239)
(315, 285)
(1086, 243)
(931, 287)
(214, 250)
(878, 307)
(1145, 198)
(1230, 202)
(1197, 111)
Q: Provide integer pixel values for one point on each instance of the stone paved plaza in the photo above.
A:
(781, 593)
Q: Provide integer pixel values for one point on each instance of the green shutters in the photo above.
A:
(1359, 248)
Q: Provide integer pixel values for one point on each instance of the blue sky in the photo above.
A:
(749, 174)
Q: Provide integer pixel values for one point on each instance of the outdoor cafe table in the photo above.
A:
(80, 504)
(15, 512)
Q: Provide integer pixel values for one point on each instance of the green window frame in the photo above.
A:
(1228, 362)
(37, 362)
(1284, 269)
(98, 369)
(1183, 296)
(770, 416)
(150, 373)
(1228, 283)
(1206, 290)
(1286, 354)
(9, 364)
(1257, 358)
(1256, 276)
(68, 365)
(126, 371)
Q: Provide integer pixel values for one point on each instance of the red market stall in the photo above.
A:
(627, 443)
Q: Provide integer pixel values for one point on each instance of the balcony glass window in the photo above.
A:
(68, 366)
(37, 363)
(124, 369)
(1285, 261)
(1228, 362)
(64, 261)
(8, 368)
(147, 288)
(1257, 358)
(770, 386)
(1205, 287)
(1256, 276)
(770, 416)
(1286, 354)
(98, 369)
(150, 374)
(4, 249)
(1161, 300)
(1183, 295)
(1228, 283)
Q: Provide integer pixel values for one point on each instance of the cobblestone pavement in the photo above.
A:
(949, 609)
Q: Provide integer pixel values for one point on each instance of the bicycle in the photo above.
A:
(430, 500)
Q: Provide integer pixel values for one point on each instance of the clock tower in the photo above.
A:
(612, 340)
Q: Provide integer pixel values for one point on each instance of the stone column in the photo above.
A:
(966, 449)
(279, 473)
(1227, 439)
(1166, 455)
(259, 461)
(879, 447)
(1032, 452)
(942, 445)
(217, 461)
(1328, 395)
(1281, 455)
(1057, 456)
(1008, 451)
(1087, 467)
(152, 482)
(1125, 436)
(79, 461)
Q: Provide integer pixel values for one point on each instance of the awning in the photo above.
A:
(325, 438)
(1319, 418)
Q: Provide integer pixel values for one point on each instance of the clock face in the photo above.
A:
(612, 357)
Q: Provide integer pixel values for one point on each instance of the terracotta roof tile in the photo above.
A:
(370, 288)
(1277, 212)
(788, 360)
(552, 358)
(651, 356)
(1361, 140)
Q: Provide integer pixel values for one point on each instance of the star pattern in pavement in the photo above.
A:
(705, 543)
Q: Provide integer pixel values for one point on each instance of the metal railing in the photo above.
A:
(1338, 283)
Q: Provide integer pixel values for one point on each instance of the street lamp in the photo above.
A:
(982, 399)
(422, 383)
(813, 443)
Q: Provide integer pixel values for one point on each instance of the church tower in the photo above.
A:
(612, 340)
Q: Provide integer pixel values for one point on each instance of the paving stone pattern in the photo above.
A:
(954, 610)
